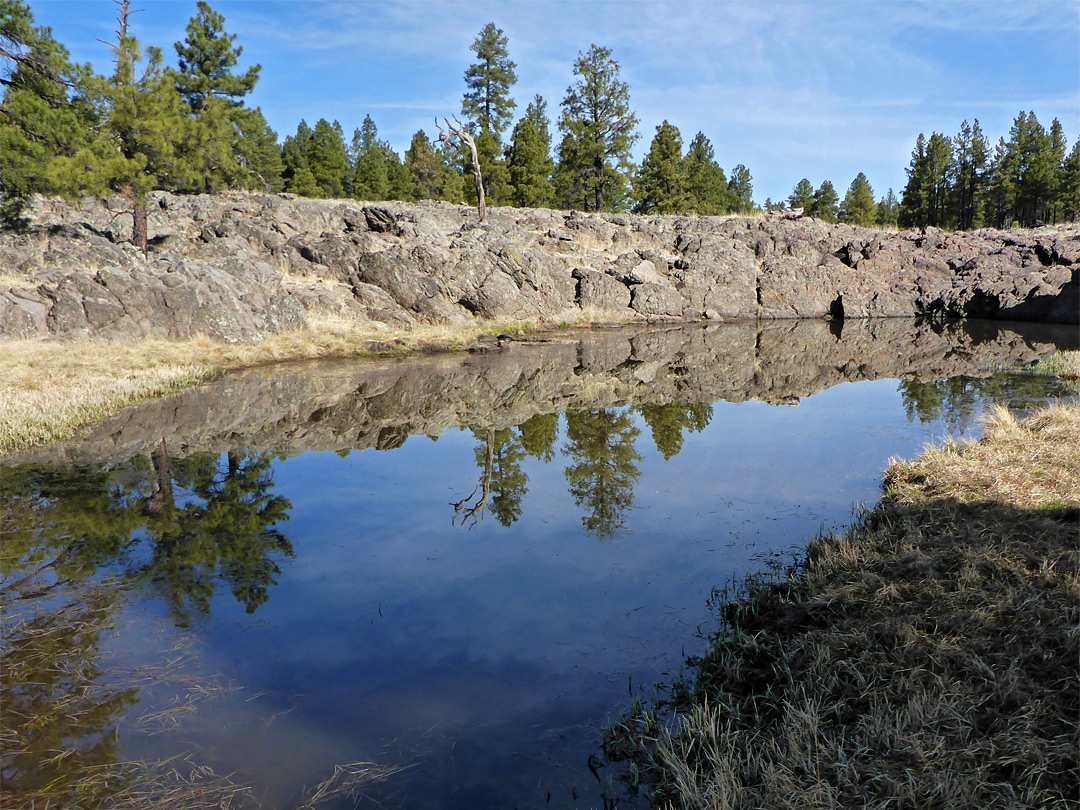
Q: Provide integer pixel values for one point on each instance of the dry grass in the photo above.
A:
(49, 390)
(925, 659)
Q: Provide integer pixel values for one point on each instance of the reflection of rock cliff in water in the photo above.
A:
(358, 404)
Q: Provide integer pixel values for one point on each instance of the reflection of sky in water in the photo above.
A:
(491, 657)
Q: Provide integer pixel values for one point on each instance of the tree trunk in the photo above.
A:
(139, 227)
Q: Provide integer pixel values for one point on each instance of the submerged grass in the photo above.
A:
(927, 658)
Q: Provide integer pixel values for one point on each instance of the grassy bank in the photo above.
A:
(927, 658)
(49, 389)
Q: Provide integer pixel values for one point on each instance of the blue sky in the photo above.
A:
(813, 88)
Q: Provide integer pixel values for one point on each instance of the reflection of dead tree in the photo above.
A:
(463, 509)
(463, 135)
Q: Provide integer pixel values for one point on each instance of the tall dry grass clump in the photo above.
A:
(927, 658)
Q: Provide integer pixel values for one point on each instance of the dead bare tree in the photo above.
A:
(462, 134)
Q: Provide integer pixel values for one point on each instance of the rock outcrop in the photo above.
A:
(238, 267)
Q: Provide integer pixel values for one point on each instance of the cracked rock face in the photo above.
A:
(238, 267)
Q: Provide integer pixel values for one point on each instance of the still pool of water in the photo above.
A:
(460, 569)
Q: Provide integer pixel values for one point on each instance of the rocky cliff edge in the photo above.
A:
(237, 267)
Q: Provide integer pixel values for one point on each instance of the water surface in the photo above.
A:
(466, 566)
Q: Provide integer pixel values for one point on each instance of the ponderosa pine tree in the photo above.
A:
(487, 103)
(826, 203)
(487, 100)
(529, 158)
(970, 155)
(327, 158)
(370, 175)
(207, 56)
(888, 211)
(424, 167)
(1000, 198)
(147, 139)
(740, 190)
(44, 113)
(297, 173)
(706, 184)
(1032, 170)
(858, 206)
(659, 185)
(1057, 147)
(802, 196)
(567, 182)
(601, 128)
(1070, 184)
(926, 197)
(257, 152)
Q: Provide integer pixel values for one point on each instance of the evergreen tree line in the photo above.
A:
(69, 132)
(959, 182)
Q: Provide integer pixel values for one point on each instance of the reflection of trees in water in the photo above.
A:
(603, 468)
(601, 444)
(667, 423)
(959, 401)
(226, 532)
(183, 525)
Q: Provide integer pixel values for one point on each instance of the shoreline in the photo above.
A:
(925, 657)
(52, 390)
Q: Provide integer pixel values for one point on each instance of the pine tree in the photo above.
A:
(399, 183)
(424, 167)
(257, 151)
(370, 176)
(802, 196)
(567, 180)
(452, 188)
(740, 191)
(1070, 184)
(858, 205)
(531, 167)
(926, 197)
(146, 139)
(529, 158)
(970, 152)
(487, 100)
(600, 124)
(706, 184)
(826, 203)
(207, 57)
(659, 184)
(493, 169)
(44, 113)
(1056, 148)
(327, 159)
(297, 174)
(888, 210)
(1001, 187)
